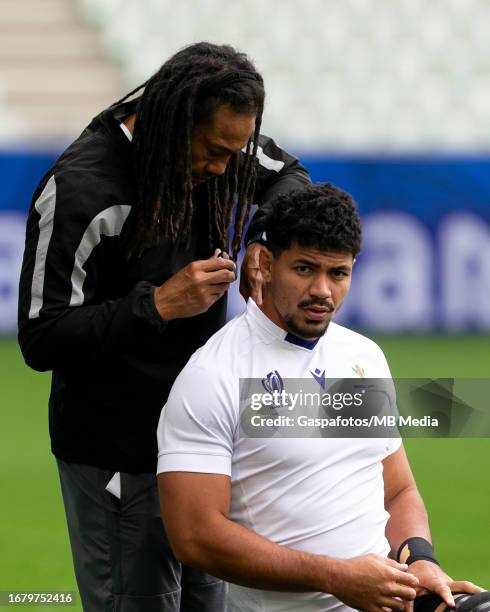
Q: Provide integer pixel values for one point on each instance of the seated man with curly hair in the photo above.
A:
(294, 523)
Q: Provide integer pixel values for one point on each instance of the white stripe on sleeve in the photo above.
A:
(109, 222)
(266, 161)
(45, 206)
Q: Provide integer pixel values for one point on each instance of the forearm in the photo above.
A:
(236, 554)
(408, 518)
(65, 336)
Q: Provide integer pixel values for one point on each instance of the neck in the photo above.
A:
(271, 312)
(129, 122)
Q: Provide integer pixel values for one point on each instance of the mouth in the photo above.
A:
(317, 313)
(199, 180)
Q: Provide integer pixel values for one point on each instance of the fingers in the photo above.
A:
(392, 602)
(244, 286)
(406, 593)
(406, 579)
(219, 289)
(445, 593)
(256, 293)
(251, 269)
(215, 263)
(219, 277)
(403, 567)
(464, 586)
(255, 282)
(254, 256)
(409, 606)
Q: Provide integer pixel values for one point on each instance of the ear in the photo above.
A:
(265, 264)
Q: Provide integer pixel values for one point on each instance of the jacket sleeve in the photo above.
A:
(62, 319)
(279, 172)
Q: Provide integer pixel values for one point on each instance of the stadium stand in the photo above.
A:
(387, 99)
(344, 74)
(53, 75)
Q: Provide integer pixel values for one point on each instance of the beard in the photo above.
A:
(307, 331)
(310, 330)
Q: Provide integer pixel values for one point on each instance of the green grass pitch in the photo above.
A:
(453, 475)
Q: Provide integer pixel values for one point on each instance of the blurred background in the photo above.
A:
(388, 100)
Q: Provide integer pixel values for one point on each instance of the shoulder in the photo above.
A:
(216, 364)
(220, 356)
(89, 181)
(361, 349)
(210, 378)
(339, 333)
(270, 156)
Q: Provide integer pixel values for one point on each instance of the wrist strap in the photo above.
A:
(418, 549)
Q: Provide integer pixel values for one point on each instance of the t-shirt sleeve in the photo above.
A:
(197, 424)
(393, 443)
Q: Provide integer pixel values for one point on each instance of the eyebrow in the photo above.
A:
(306, 262)
(314, 264)
(342, 267)
(220, 148)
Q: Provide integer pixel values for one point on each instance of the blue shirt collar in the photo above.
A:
(308, 344)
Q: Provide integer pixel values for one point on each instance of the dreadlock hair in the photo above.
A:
(184, 93)
(318, 216)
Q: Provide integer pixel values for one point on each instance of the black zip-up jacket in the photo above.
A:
(86, 311)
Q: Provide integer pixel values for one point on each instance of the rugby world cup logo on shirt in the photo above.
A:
(273, 382)
(274, 386)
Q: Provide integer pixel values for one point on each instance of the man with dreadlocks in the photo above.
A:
(122, 281)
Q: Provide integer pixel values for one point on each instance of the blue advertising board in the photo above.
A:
(425, 262)
(20, 172)
(426, 255)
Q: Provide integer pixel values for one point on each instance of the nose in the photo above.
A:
(320, 287)
(217, 168)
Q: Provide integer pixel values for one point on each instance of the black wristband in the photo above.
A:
(418, 549)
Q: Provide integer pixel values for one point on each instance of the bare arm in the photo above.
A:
(408, 518)
(195, 512)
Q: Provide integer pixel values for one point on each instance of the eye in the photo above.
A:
(218, 154)
(340, 274)
(303, 269)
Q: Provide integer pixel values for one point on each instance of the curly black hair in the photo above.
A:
(318, 216)
(183, 93)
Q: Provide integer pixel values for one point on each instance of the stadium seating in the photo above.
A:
(53, 75)
(341, 75)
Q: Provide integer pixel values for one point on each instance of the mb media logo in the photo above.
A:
(273, 382)
(319, 377)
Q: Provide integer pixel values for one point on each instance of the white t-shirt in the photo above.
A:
(316, 495)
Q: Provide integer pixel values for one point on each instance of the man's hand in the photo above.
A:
(195, 288)
(432, 579)
(373, 582)
(251, 281)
